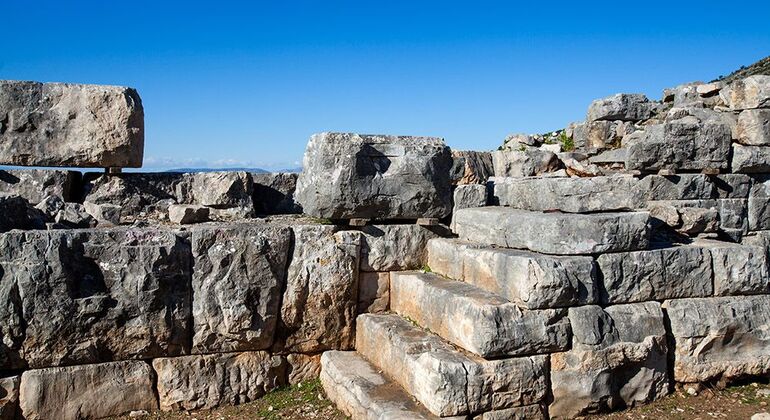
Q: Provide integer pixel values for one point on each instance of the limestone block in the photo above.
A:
(303, 367)
(738, 269)
(521, 163)
(274, 193)
(35, 185)
(620, 107)
(750, 159)
(471, 167)
(754, 127)
(9, 397)
(373, 292)
(187, 214)
(396, 247)
(749, 93)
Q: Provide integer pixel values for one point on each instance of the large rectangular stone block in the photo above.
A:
(379, 177)
(36, 184)
(739, 269)
(61, 124)
(748, 93)
(396, 247)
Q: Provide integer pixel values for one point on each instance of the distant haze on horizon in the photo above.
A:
(245, 85)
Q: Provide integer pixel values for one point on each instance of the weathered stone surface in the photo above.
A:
(621, 107)
(362, 393)
(686, 144)
(529, 412)
(74, 215)
(303, 367)
(471, 167)
(237, 281)
(469, 196)
(104, 214)
(750, 159)
(692, 217)
(554, 233)
(528, 279)
(274, 193)
(664, 273)
(446, 381)
(60, 124)
(618, 359)
(738, 269)
(754, 127)
(106, 294)
(474, 319)
(187, 214)
(373, 292)
(375, 177)
(751, 92)
(521, 163)
(87, 391)
(17, 213)
(722, 338)
(759, 204)
(319, 304)
(9, 397)
(211, 380)
(35, 185)
(396, 247)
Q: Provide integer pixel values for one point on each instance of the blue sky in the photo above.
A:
(246, 83)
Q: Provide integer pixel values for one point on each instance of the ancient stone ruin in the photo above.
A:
(584, 270)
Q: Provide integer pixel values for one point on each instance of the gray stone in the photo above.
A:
(9, 397)
(620, 107)
(74, 215)
(17, 213)
(319, 304)
(396, 247)
(303, 367)
(187, 214)
(220, 190)
(618, 359)
(610, 156)
(59, 124)
(738, 269)
(721, 338)
(104, 214)
(468, 196)
(106, 294)
(448, 382)
(211, 380)
(379, 177)
(471, 167)
(751, 92)
(554, 233)
(35, 185)
(521, 163)
(682, 271)
(373, 292)
(528, 279)
(237, 282)
(87, 391)
(759, 204)
(474, 319)
(750, 159)
(529, 412)
(754, 127)
(274, 193)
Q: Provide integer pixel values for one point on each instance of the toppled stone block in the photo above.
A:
(211, 380)
(187, 214)
(751, 92)
(754, 127)
(9, 397)
(87, 391)
(618, 359)
(373, 292)
(320, 301)
(681, 271)
(620, 107)
(237, 281)
(60, 124)
(471, 167)
(554, 233)
(34, 185)
(521, 163)
(750, 159)
(274, 193)
(396, 247)
(722, 338)
(106, 294)
(378, 177)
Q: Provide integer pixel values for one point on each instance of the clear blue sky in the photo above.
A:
(227, 83)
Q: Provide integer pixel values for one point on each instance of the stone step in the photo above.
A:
(554, 233)
(476, 320)
(448, 381)
(361, 392)
(528, 279)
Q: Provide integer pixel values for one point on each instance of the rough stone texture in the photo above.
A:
(748, 93)
(474, 319)
(87, 391)
(750, 159)
(471, 167)
(361, 392)
(521, 163)
(759, 204)
(105, 214)
(35, 185)
(686, 144)
(738, 269)
(106, 295)
(529, 412)
(396, 247)
(321, 297)
(17, 213)
(303, 367)
(274, 193)
(446, 381)
(237, 281)
(9, 397)
(621, 107)
(375, 177)
(528, 279)
(618, 359)
(469, 196)
(693, 217)
(187, 214)
(665, 273)
(59, 124)
(554, 233)
(754, 127)
(211, 380)
(373, 292)
(722, 338)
